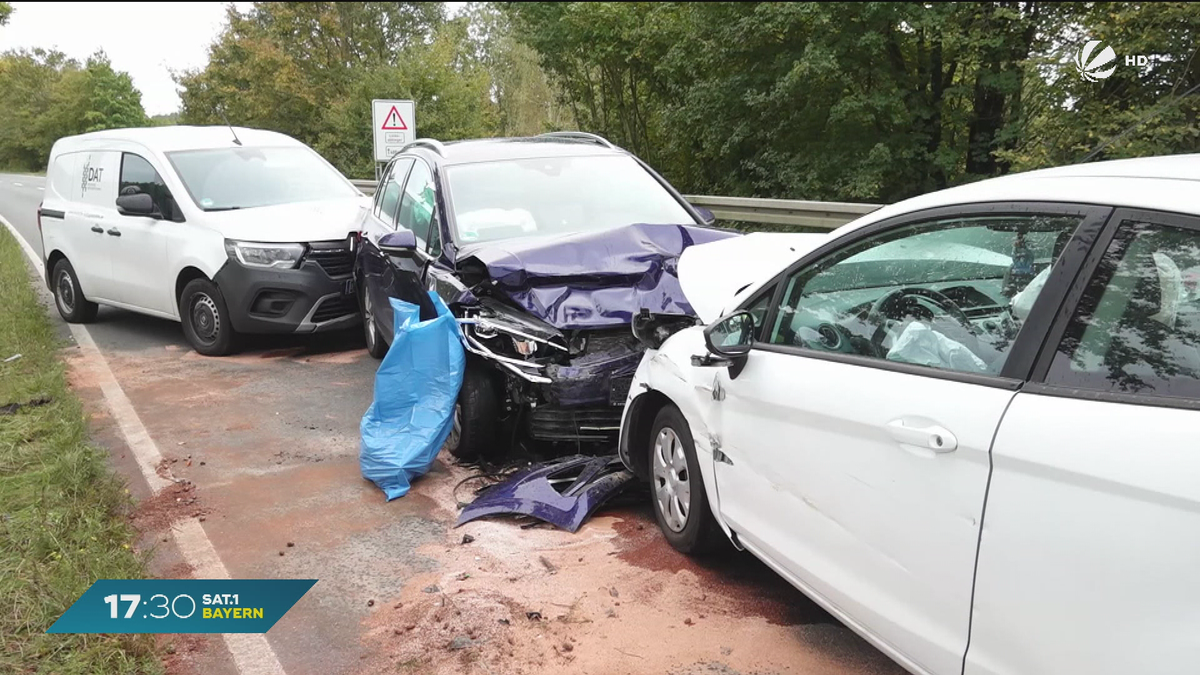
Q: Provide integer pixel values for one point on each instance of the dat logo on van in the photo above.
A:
(91, 176)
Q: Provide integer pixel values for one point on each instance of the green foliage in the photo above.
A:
(863, 101)
(63, 525)
(6, 11)
(50, 96)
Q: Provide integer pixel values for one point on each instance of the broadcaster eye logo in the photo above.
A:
(1093, 69)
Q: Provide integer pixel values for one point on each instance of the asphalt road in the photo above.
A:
(267, 444)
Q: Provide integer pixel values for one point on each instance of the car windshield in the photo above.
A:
(241, 178)
(556, 196)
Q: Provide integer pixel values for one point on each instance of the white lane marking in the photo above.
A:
(18, 184)
(42, 189)
(252, 654)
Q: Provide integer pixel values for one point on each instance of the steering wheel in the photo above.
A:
(882, 310)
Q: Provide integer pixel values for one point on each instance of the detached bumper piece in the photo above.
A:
(564, 493)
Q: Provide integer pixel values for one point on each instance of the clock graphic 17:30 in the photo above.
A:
(168, 606)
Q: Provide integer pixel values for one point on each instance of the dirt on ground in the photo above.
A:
(612, 598)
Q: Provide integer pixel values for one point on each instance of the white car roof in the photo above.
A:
(168, 139)
(1169, 183)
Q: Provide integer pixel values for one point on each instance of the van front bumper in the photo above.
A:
(302, 300)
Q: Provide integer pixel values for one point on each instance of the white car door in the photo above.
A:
(1091, 541)
(854, 440)
(139, 246)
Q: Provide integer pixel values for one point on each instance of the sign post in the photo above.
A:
(393, 125)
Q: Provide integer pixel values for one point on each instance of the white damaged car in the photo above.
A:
(968, 424)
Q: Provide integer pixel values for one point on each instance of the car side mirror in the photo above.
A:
(705, 215)
(731, 336)
(140, 204)
(400, 242)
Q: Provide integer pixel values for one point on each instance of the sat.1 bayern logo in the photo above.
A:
(1093, 68)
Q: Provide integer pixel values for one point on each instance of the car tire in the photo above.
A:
(677, 488)
(68, 296)
(476, 431)
(205, 318)
(377, 347)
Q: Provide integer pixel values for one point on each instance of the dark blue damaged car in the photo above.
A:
(548, 250)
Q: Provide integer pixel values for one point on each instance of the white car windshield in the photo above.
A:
(557, 196)
(241, 178)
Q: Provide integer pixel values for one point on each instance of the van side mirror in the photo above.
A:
(140, 204)
(400, 242)
(705, 215)
(731, 336)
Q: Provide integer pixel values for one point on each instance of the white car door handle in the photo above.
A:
(934, 437)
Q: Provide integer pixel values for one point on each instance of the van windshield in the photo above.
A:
(223, 179)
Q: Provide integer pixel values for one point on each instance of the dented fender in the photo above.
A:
(667, 375)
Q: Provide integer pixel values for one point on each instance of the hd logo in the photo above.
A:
(1093, 69)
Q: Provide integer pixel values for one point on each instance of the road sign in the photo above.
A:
(393, 125)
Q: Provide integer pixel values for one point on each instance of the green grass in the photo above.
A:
(62, 511)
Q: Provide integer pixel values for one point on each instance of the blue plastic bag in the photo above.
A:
(416, 388)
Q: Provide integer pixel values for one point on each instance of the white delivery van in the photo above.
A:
(227, 230)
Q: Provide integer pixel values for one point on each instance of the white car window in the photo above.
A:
(936, 294)
(1137, 328)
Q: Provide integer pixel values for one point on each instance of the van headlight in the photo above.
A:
(252, 254)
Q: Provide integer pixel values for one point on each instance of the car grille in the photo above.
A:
(335, 308)
(335, 257)
(552, 423)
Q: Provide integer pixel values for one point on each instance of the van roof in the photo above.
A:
(168, 139)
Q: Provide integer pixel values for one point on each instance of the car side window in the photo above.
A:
(758, 309)
(416, 207)
(1137, 327)
(388, 199)
(950, 294)
(139, 177)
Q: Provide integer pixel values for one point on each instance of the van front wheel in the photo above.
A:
(205, 318)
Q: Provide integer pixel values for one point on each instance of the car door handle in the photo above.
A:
(115, 232)
(936, 438)
(97, 229)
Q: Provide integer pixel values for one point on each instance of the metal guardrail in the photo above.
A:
(788, 212)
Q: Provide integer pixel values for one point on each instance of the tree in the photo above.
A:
(51, 96)
(6, 11)
(283, 64)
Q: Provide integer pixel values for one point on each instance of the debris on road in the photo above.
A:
(533, 616)
(431, 589)
(416, 388)
(467, 539)
(547, 564)
(563, 493)
(12, 408)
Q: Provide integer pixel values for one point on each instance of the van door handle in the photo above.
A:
(934, 437)
(97, 229)
(115, 232)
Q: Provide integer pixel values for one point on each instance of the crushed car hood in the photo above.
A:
(712, 274)
(596, 279)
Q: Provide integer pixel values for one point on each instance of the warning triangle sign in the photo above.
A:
(393, 121)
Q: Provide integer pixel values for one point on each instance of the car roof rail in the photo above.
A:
(430, 143)
(580, 136)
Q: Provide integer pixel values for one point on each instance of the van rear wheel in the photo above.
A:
(68, 296)
(205, 318)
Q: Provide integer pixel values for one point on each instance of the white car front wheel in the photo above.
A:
(680, 502)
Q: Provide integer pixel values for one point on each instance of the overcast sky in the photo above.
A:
(148, 40)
